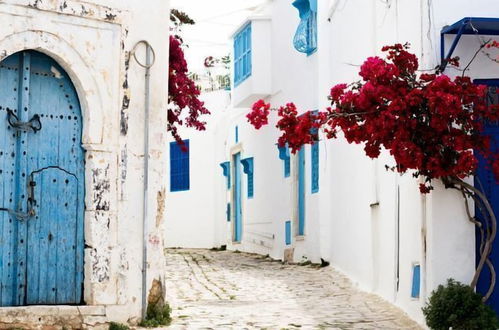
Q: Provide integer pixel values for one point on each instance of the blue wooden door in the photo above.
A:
(42, 183)
(485, 180)
(301, 191)
(237, 196)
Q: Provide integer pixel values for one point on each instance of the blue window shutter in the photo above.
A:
(416, 281)
(248, 170)
(242, 55)
(315, 167)
(226, 168)
(285, 157)
(179, 166)
(288, 232)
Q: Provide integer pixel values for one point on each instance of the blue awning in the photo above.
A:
(466, 26)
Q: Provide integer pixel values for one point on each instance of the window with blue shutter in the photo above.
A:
(248, 170)
(242, 55)
(285, 157)
(315, 167)
(416, 281)
(305, 40)
(179, 166)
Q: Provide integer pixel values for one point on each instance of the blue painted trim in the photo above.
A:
(301, 192)
(248, 170)
(287, 232)
(238, 221)
(285, 156)
(416, 281)
(242, 55)
(179, 167)
(314, 153)
(226, 171)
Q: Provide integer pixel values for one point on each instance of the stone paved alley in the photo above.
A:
(228, 290)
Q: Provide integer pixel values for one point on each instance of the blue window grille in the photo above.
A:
(242, 55)
(179, 167)
(288, 232)
(226, 168)
(285, 157)
(315, 167)
(416, 280)
(248, 170)
(305, 40)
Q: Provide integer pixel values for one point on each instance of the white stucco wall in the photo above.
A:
(92, 41)
(370, 223)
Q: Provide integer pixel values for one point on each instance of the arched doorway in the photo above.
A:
(41, 183)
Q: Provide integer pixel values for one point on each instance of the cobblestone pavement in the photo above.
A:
(228, 290)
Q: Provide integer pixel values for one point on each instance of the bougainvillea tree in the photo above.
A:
(185, 107)
(431, 124)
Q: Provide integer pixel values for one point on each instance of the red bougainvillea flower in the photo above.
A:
(182, 94)
(431, 124)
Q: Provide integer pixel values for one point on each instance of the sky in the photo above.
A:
(215, 22)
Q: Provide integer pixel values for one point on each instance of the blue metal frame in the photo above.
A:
(466, 26)
(242, 55)
(248, 170)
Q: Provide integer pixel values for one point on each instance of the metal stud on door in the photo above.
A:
(43, 234)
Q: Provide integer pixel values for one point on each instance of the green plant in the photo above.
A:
(157, 316)
(456, 305)
(118, 326)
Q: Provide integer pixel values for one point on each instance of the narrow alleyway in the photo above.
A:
(228, 290)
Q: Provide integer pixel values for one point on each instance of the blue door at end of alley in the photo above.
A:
(41, 183)
(486, 182)
(237, 196)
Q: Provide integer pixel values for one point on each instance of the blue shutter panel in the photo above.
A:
(242, 55)
(315, 167)
(179, 167)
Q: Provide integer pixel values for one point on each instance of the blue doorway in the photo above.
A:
(237, 197)
(41, 183)
(485, 181)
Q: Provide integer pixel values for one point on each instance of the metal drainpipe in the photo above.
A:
(150, 60)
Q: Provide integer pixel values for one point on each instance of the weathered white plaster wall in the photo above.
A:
(92, 41)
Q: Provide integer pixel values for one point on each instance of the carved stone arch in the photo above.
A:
(87, 85)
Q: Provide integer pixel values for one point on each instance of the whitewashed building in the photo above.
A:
(81, 208)
(330, 201)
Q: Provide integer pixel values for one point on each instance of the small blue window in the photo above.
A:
(248, 170)
(226, 168)
(305, 40)
(288, 232)
(416, 281)
(179, 166)
(228, 212)
(285, 157)
(242, 55)
(315, 167)
(237, 134)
